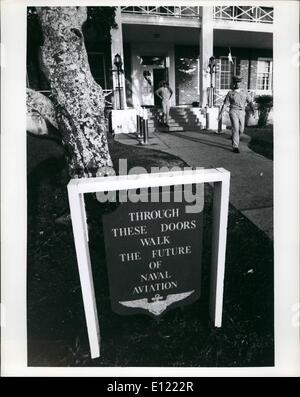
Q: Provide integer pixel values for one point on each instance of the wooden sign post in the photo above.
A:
(78, 187)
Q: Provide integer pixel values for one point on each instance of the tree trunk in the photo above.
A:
(78, 100)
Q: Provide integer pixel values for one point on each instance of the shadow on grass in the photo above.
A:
(184, 336)
(261, 141)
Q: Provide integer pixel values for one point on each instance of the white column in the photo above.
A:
(171, 54)
(135, 77)
(117, 48)
(206, 51)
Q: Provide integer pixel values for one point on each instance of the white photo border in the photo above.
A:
(14, 197)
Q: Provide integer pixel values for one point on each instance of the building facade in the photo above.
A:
(176, 44)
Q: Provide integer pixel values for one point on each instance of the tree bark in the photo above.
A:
(39, 110)
(78, 100)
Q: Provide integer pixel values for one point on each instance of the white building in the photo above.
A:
(176, 43)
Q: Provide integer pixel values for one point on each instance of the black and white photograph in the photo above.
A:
(158, 179)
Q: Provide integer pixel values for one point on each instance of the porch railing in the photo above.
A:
(186, 12)
(244, 13)
(219, 98)
(219, 95)
(108, 97)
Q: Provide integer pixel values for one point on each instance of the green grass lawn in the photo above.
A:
(184, 336)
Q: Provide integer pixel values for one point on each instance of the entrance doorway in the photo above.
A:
(159, 75)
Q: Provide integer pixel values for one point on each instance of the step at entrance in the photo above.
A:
(181, 119)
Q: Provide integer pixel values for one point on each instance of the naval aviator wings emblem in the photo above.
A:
(158, 305)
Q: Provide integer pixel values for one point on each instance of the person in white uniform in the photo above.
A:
(165, 93)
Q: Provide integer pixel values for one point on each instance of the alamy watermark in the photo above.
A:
(193, 194)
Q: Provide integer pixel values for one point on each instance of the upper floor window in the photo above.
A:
(264, 74)
(227, 70)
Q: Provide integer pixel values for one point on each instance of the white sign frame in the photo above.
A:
(78, 187)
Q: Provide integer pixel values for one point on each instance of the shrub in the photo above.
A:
(264, 105)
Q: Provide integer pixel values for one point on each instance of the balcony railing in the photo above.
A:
(186, 12)
(244, 13)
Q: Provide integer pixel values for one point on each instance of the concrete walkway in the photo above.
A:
(251, 190)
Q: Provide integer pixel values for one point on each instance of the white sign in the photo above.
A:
(78, 187)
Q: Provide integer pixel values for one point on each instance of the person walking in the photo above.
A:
(165, 93)
(237, 99)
